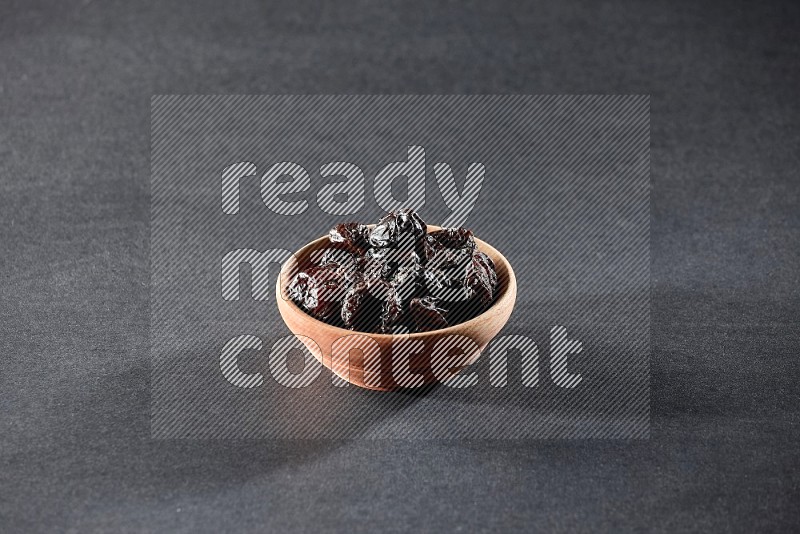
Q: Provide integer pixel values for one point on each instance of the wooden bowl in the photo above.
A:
(373, 361)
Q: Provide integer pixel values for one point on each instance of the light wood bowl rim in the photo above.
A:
(503, 301)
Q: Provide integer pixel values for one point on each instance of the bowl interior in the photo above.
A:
(504, 298)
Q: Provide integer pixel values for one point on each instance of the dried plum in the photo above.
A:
(454, 238)
(426, 314)
(397, 278)
(352, 302)
(482, 277)
(394, 226)
(319, 290)
(353, 237)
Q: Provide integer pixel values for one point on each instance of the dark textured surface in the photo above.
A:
(577, 239)
(75, 86)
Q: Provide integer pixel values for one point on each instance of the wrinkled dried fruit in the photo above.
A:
(482, 277)
(353, 237)
(451, 238)
(427, 315)
(351, 304)
(394, 226)
(319, 290)
(396, 278)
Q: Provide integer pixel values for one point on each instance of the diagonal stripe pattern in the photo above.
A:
(559, 184)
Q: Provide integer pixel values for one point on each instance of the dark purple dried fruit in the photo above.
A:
(407, 281)
(427, 315)
(392, 310)
(482, 277)
(319, 290)
(396, 278)
(354, 237)
(447, 287)
(451, 238)
(394, 226)
(351, 303)
(450, 248)
(344, 262)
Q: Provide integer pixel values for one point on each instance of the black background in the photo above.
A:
(75, 86)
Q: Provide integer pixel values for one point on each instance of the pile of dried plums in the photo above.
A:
(396, 277)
